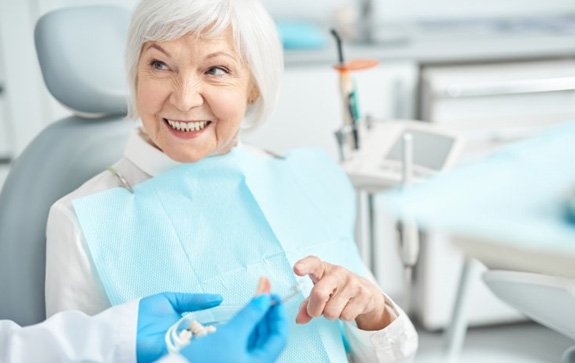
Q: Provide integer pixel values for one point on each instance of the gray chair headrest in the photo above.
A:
(90, 82)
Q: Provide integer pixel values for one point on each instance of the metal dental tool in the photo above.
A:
(348, 136)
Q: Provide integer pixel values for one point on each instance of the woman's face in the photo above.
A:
(192, 94)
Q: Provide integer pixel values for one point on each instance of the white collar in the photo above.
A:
(148, 158)
(153, 161)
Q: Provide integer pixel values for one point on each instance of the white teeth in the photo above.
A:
(188, 126)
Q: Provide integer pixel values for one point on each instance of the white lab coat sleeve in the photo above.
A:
(73, 336)
(71, 280)
(395, 343)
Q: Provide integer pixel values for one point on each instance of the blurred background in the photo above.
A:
(495, 70)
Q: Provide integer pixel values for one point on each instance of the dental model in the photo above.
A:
(195, 329)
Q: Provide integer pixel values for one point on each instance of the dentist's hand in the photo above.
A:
(157, 313)
(257, 334)
(340, 294)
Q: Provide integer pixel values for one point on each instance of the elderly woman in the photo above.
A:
(187, 208)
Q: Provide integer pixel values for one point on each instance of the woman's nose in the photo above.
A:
(187, 94)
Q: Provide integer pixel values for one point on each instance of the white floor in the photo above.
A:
(516, 343)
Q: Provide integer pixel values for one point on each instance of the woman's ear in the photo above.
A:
(253, 95)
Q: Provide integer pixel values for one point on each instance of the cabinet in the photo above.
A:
(494, 104)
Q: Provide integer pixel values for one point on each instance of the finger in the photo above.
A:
(277, 316)
(319, 298)
(352, 310)
(258, 335)
(336, 305)
(322, 292)
(262, 330)
(244, 322)
(312, 266)
(302, 315)
(183, 302)
(361, 299)
(350, 287)
(276, 340)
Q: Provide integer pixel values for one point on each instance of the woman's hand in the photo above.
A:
(340, 294)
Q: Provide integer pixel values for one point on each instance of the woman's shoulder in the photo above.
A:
(258, 151)
(313, 166)
(103, 181)
(310, 154)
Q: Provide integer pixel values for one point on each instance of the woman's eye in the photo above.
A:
(158, 65)
(217, 71)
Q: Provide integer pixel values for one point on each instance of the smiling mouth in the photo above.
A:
(187, 126)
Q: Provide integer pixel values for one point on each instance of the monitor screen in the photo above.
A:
(429, 150)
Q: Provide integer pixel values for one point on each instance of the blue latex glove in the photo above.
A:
(257, 334)
(157, 313)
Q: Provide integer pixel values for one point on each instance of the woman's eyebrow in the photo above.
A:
(221, 53)
(156, 46)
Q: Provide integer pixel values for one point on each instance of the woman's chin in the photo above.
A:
(187, 158)
(188, 155)
(192, 154)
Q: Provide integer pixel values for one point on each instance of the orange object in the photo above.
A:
(351, 113)
(356, 65)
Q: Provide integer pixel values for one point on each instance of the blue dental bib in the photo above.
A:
(219, 224)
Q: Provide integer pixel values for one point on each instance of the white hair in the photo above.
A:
(254, 33)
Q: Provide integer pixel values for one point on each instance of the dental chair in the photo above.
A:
(527, 242)
(547, 299)
(80, 51)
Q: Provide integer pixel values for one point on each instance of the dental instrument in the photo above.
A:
(349, 132)
(192, 326)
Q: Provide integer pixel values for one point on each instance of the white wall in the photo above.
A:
(23, 100)
(5, 140)
(44, 6)
(393, 10)
(28, 107)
